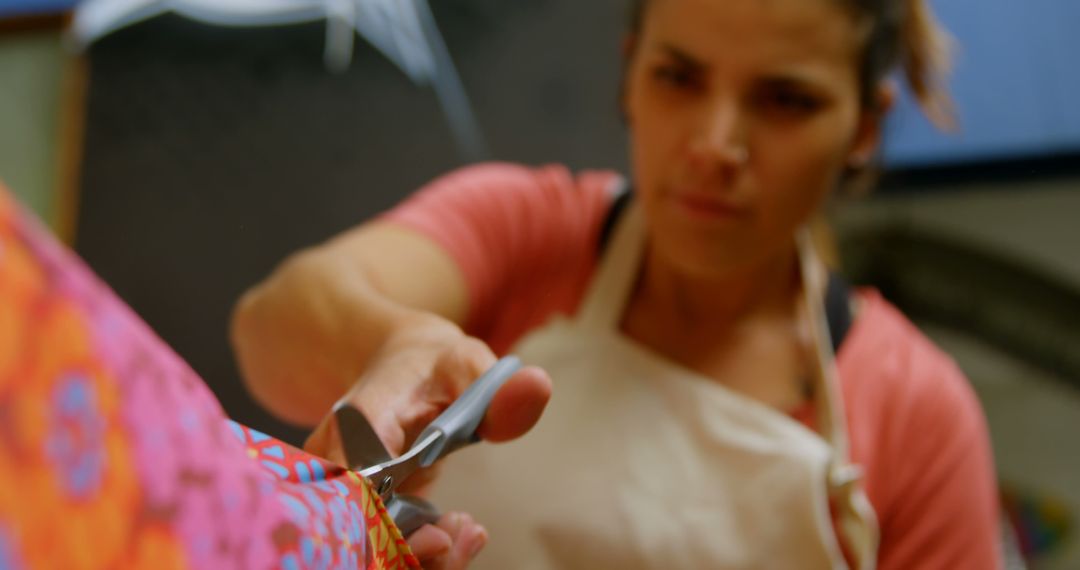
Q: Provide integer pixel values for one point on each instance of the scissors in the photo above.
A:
(452, 430)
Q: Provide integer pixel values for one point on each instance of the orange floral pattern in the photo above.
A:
(114, 454)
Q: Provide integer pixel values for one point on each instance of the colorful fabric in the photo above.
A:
(114, 454)
(1042, 524)
(526, 241)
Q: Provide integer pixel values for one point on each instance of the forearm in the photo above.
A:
(304, 336)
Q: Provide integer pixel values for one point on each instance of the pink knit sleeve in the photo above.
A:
(917, 427)
(948, 514)
(522, 237)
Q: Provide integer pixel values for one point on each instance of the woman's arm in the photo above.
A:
(304, 335)
(380, 309)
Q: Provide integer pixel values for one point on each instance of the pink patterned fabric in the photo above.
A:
(113, 453)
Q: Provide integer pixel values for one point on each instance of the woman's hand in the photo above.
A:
(418, 373)
(449, 544)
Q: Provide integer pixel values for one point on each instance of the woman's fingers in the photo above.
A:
(400, 396)
(450, 544)
(517, 406)
(407, 389)
(460, 365)
(430, 543)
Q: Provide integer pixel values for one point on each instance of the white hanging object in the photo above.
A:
(402, 30)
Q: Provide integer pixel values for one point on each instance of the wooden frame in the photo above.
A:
(70, 123)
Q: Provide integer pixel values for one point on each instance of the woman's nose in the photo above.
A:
(720, 139)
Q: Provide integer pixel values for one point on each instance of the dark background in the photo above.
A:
(212, 153)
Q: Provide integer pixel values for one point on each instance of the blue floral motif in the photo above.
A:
(76, 440)
(9, 555)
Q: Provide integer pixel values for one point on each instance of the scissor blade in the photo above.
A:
(452, 429)
(361, 444)
(388, 475)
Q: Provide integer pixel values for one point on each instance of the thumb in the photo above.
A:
(517, 406)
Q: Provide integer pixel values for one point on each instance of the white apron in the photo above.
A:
(641, 463)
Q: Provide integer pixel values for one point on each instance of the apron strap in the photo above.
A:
(857, 521)
(616, 274)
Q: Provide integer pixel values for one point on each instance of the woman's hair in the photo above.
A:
(895, 32)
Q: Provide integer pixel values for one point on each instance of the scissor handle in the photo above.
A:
(410, 513)
(458, 423)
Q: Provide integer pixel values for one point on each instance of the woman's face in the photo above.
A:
(743, 115)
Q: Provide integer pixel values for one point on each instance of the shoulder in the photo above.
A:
(887, 353)
(488, 211)
(518, 180)
(907, 401)
(512, 229)
(910, 407)
(493, 198)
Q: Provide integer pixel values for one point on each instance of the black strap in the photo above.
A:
(614, 212)
(838, 309)
(837, 293)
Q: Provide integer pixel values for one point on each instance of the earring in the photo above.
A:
(858, 161)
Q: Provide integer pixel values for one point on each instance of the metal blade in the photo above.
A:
(361, 444)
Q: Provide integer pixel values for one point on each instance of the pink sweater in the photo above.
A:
(526, 241)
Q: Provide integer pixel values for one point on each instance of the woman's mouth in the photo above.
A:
(709, 207)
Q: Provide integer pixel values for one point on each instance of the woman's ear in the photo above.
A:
(871, 123)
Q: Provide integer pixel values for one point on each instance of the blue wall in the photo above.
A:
(9, 8)
(1016, 83)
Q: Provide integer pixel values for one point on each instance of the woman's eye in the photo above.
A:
(789, 102)
(677, 76)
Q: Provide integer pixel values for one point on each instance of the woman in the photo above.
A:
(698, 418)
